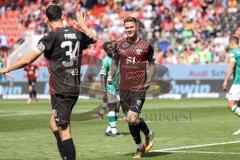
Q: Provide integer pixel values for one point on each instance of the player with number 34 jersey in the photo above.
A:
(62, 50)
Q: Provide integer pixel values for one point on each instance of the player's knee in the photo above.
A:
(132, 119)
(231, 105)
(64, 132)
(136, 122)
(63, 126)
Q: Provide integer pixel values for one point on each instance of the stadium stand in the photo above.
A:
(182, 31)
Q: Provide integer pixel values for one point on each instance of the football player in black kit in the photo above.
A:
(62, 49)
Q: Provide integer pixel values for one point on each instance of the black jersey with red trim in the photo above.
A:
(31, 71)
(133, 58)
(62, 50)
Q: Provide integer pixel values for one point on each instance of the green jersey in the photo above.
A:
(235, 57)
(106, 65)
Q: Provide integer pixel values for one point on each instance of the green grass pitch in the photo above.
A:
(188, 129)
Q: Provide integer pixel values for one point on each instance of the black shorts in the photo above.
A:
(62, 106)
(32, 82)
(132, 100)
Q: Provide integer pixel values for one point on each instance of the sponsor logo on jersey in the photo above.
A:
(73, 72)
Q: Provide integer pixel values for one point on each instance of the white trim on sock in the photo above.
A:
(114, 130)
(140, 145)
(108, 129)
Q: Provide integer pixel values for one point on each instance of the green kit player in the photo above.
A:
(110, 91)
(1, 75)
(233, 95)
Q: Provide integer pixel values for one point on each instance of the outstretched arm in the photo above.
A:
(104, 88)
(23, 62)
(114, 65)
(103, 73)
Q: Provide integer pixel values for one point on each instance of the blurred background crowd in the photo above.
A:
(181, 31)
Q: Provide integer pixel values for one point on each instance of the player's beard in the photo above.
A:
(132, 37)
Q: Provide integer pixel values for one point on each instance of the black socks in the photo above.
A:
(59, 144)
(69, 149)
(135, 132)
(143, 127)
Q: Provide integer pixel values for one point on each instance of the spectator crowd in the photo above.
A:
(181, 31)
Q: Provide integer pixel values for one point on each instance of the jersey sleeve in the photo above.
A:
(85, 40)
(104, 68)
(45, 44)
(150, 54)
(1, 64)
(232, 56)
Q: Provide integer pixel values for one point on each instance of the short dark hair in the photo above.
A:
(234, 39)
(54, 12)
(106, 45)
(130, 19)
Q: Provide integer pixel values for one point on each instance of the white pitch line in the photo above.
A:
(22, 114)
(196, 146)
(9, 114)
(202, 152)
